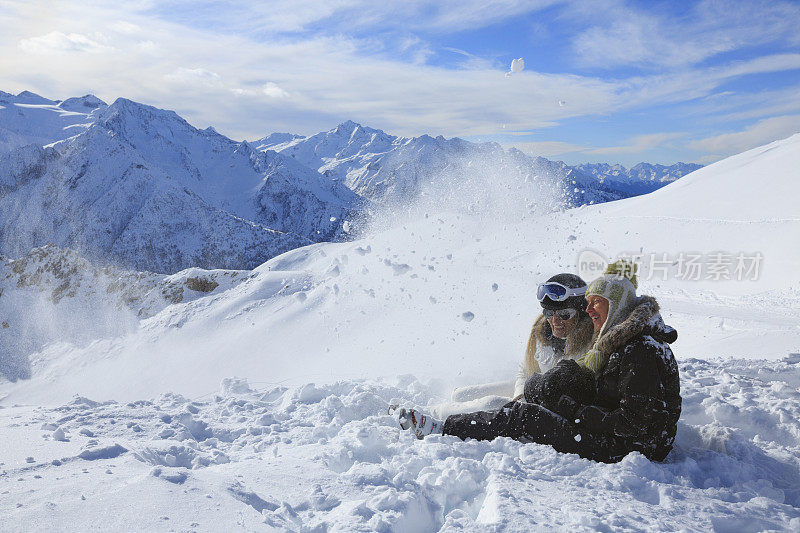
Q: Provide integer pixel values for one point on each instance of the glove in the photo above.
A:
(567, 407)
(533, 391)
(566, 378)
(570, 379)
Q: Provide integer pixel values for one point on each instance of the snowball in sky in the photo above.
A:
(516, 66)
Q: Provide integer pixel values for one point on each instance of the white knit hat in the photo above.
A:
(617, 285)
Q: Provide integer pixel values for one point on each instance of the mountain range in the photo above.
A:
(141, 188)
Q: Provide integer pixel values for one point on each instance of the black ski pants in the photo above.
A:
(529, 422)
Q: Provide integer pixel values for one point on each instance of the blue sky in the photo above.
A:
(607, 80)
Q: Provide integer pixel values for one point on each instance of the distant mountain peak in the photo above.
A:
(349, 128)
(84, 104)
(28, 97)
(348, 125)
(125, 116)
(29, 94)
(273, 139)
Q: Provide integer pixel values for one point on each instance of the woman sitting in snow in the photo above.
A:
(563, 331)
(623, 395)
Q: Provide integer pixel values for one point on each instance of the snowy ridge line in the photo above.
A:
(736, 463)
(714, 220)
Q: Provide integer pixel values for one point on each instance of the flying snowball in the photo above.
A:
(516, 66)
(561, 103)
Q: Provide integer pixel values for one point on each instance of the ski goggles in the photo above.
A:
(557, 292)
(563, 314)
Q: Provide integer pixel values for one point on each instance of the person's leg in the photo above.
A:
(524, 422)
(518, 420)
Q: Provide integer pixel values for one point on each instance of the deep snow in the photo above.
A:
(321, 458)
(433, 300)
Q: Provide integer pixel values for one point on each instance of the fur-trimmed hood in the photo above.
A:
(575, 345)
(644, 318)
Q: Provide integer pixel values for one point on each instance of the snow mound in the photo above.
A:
(736, 463)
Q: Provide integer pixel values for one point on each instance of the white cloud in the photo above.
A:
(546, 148)
(693, 83)
(344, 15)
(315, 82)
(126, 28)
(638, 144)
(194, 77)
(273, 91)
(57, 42)
(620, 35)
(147, 46)
(762, 132)
(270, 89)
(728, 106)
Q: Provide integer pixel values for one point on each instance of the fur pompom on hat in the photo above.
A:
(623, 269)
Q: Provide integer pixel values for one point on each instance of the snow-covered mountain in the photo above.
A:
(142, 187)
(432, 290)
(640, 179)
(28, 118)
(260, 186)
(385, 168)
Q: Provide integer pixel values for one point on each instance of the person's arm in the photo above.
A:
(522, 376)
(529, 365)
(640, 403)
(519, 383)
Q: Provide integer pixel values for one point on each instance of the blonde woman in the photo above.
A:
(562, 331)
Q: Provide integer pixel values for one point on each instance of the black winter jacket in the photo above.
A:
(637, 402)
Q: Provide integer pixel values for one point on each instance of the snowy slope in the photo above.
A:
(28, 118)
(399, 301)
(328, 458)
